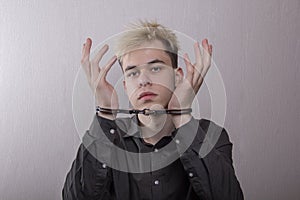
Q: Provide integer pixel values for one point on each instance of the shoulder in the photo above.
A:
(214, 132)
(206, 124)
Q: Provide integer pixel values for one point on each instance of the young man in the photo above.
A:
(151, 155)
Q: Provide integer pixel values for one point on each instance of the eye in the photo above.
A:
(132, 74)
(155, 69)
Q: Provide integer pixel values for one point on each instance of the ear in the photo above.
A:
(178, 75)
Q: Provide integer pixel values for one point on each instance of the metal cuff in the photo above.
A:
(145, 111)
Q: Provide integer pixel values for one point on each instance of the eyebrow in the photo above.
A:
(150, 62)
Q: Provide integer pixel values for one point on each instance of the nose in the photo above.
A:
(144, 80)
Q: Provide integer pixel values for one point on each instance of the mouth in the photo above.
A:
(146, 96)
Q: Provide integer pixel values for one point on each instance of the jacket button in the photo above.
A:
(112, 131)
(191, 174)
(156, 182)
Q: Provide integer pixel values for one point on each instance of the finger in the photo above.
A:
(198, 85)
(207, 49)
(86, 56)
(189, 68)
(210, 49)
(206, 56)
(199, 81)
(198, 64)
(105, 70)
(86, 48)
(197, 54)
(100, 54)
(95, 62)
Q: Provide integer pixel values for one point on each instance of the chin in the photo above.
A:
(151, 105)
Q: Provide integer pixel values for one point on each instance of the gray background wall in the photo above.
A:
(256, 47)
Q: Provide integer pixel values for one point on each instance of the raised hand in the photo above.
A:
(187, 89)
(105, 94)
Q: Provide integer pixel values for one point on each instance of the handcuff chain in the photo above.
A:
(145, 111)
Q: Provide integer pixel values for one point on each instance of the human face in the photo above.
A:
(149, 76)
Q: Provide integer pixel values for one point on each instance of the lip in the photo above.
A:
(146, 95)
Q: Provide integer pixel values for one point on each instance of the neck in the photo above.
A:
(155, 127)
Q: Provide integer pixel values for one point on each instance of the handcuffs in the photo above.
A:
(145, 111)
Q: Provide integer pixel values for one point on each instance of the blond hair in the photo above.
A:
(145, 31)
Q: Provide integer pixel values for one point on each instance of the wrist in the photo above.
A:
(104, 114)
(180, 120)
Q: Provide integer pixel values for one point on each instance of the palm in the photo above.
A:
(105, 93)
(182, 96)
(187, 89)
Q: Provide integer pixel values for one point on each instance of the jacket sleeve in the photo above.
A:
(90, 177)
(208, 161)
